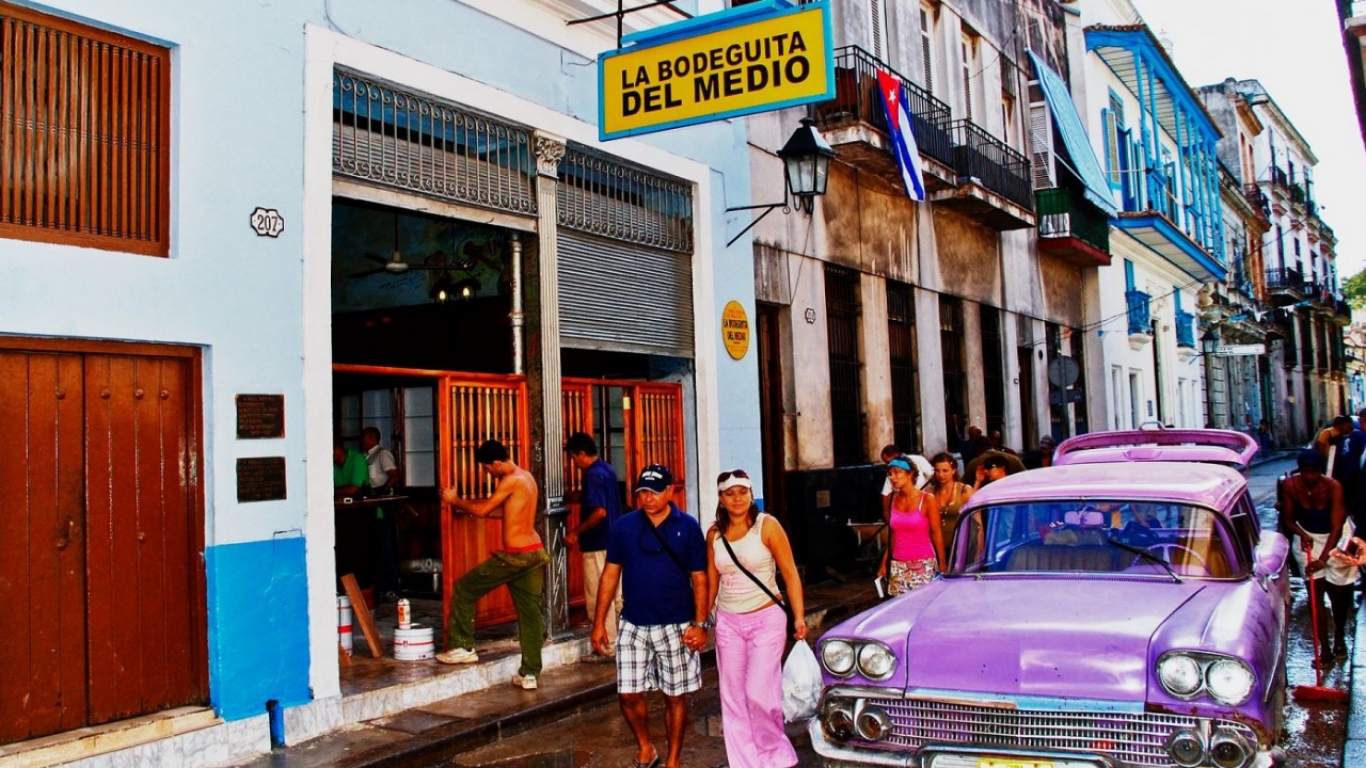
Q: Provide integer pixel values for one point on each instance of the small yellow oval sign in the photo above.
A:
(735, 329)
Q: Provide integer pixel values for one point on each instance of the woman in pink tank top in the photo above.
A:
(916, 550)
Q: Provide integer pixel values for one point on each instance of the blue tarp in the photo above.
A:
(1073, 132)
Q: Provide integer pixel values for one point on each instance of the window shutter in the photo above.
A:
(1041, 140)
(877, 22)
(925, 56)
(1112, 147)
(967, 83)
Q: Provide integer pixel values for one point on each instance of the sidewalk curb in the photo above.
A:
(441, 745)
(1354, 746)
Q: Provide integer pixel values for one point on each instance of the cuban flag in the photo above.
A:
(903, 141)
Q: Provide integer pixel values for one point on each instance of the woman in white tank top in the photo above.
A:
(750, 628)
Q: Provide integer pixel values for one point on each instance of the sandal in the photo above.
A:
(652, 764)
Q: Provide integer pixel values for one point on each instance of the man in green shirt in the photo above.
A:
(349, 471)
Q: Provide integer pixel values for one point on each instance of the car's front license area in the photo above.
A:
(863, 726)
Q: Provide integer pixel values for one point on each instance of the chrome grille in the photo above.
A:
(1136, 739)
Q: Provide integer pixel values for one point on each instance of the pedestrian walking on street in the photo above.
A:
(949, 493)
(916, 551)
(1315, 513)
(746, 549)
(599, 511)
(520, 564)
(659, 556)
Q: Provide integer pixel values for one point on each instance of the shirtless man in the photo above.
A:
(520, 564)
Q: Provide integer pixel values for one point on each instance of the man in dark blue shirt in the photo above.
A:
(599, 510)
(659, 556)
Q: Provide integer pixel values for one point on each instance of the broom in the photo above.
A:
(1317, 693)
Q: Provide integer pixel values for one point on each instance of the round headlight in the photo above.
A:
(838, 718)
(875, 662)
(1179, 675)
(1186, 748)
(838, 657)
(1228, 749)
(1229, 681)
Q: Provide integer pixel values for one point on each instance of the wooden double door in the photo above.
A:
(101, 534)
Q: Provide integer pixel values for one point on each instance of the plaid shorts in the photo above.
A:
(655, 658)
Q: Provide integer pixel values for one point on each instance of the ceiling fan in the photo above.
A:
(395, 265)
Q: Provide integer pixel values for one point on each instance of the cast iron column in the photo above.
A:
(543, 386)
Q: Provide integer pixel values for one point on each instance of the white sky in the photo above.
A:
(1295, 49)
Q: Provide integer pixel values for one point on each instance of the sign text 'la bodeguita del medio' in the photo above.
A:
(751, 64)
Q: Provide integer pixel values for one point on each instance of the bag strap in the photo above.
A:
(721, 534)
(655, 530)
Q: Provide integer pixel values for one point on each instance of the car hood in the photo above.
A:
(1035, 637)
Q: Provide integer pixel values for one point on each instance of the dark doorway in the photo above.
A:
(955, 375)
(771, 432)
(903, 348)
(993, 368)
(842, 310)
(1028, 419)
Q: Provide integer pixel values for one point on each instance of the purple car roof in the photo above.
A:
(1221, 445)
(1207, 485)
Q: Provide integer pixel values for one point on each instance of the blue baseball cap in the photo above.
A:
(656, 478)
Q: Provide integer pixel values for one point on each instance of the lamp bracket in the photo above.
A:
(786, 205)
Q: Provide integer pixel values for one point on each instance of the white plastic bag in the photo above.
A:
(801, 684)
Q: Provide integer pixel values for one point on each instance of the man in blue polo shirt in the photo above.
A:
(599, 511)
(659, 556)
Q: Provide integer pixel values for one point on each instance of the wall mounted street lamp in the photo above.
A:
(1209, 342)
(806, 167)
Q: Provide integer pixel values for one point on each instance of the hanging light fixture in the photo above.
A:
(806, 169)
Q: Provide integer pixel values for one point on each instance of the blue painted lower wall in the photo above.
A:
(258, 626)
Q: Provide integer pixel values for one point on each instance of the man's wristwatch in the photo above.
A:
(703, 625)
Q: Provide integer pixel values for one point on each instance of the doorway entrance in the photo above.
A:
(102, 544)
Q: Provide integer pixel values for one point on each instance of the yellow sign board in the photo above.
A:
(735, 329)
(744, 61)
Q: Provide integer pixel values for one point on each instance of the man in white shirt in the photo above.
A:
(383, 472)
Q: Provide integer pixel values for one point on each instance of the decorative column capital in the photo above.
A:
(549, 152)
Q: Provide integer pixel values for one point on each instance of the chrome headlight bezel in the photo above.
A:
(869, 655)
(1184, 666)
(1225, 671)
(1226, 680)
(845, 649)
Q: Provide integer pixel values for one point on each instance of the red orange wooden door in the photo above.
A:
(101, 546)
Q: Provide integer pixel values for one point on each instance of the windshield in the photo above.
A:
(1121, 537)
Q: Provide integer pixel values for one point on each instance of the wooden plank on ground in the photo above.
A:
(362, 615)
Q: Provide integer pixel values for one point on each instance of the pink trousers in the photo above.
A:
(749, 655)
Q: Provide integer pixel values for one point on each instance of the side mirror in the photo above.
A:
(1270, 558)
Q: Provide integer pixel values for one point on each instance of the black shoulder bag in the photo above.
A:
(791, 620)
(655, 530)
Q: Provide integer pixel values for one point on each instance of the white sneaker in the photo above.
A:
(527, 683)
(457, 656)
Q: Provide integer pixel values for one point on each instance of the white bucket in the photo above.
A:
(414, 643)
(344, 623)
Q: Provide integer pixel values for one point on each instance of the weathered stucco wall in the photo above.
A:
(869, 225)
(1062, 288)
(969, 257)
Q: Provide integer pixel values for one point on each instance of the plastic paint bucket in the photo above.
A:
(414, 643)
(344, 623)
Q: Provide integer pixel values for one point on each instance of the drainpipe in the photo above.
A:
(516, 316)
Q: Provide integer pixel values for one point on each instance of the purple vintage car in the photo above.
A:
(1101, 615)
(1209, 446)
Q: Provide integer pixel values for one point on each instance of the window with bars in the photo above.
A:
(842, 310)
(954, 372)
(1306, 341)
(84, 135)
(904, 354)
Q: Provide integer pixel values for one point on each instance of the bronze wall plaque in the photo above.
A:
(260, 416)
(261, 478)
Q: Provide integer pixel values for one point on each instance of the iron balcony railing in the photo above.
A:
(1297, 194)
(1064, 213)
(1343, 308)
(979, 155)
(857, 96)
(1284, 279)
(1185, 329)
(1140, 315)
(1279, 178)
(1257, 198)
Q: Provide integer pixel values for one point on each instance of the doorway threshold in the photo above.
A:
(95, 740)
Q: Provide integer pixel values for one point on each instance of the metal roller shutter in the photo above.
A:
(624, 297)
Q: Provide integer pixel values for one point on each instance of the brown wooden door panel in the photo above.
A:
(657, 437)
(576, 416)
(42, 679)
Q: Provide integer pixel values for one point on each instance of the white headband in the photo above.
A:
(732, 482)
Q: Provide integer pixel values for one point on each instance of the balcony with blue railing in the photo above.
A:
(1185, 330)
(1140, 312)
(1072, 228)
(855, 121)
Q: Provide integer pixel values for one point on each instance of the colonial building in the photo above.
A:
(886, 320)
(1158, 145)
(242, 234)
(1299, 253)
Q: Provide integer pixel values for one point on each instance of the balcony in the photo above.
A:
(994, 184)
(1344, 311)
(1139, 314)
(1285, 286)
(1185, 335)
(856, 123)
(1257, 198)
(1072, 228)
